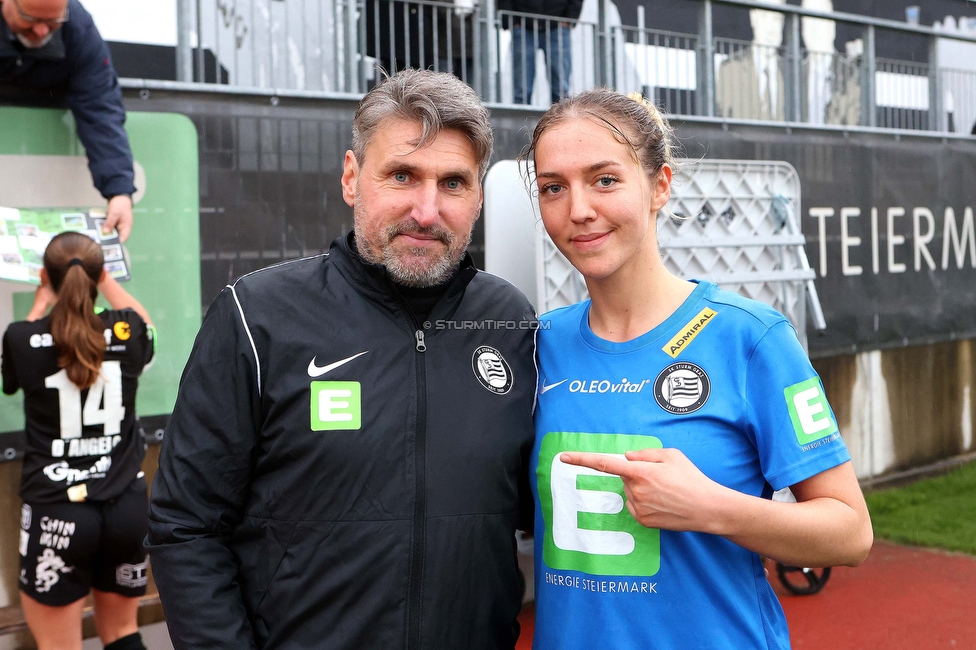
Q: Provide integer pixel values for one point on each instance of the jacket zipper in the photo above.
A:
(415, 595)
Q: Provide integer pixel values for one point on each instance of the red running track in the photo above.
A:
(901, 598)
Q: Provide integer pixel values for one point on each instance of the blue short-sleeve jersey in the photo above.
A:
(725, 380)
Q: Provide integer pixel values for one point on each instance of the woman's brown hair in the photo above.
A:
(74, 265)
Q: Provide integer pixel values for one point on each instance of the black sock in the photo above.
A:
(131, 642)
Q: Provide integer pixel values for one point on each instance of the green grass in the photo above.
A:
(938, 512)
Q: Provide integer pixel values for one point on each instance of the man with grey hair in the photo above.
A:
(346, 463)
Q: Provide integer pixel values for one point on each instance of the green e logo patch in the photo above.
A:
(588, 527)
(809, 411)
(336, 406)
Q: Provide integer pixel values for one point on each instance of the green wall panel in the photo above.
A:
(164, 248)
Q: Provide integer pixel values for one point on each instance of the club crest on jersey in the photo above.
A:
(491, 369)
(682, 388)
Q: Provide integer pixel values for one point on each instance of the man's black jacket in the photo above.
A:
(336, 475)
(76, 63)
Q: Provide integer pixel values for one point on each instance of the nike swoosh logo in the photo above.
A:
(318, 371)
(545, 389)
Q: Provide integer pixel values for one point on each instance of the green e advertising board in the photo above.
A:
(45, 187)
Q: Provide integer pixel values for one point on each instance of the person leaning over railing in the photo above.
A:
(53, 45)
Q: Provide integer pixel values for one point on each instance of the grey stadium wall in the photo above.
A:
(888, 218)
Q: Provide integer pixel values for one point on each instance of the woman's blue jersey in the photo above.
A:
(725, 380)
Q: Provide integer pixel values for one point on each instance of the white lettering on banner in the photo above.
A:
(921, 241)
(874, 241)
(847, 241)
(958, 241)
(821, 214)
(894, 240)
(961, 241)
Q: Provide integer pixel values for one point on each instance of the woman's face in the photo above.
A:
(597, 204)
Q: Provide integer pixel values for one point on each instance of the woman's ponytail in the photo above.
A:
(74, 264)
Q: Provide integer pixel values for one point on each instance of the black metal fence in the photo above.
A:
(789, 72)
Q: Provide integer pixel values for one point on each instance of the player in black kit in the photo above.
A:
(84, 512)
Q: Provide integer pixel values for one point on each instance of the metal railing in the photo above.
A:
(662, 66)
(335, 46)
(424, 34)
(301, 45)
(902, 94)
(959, 92)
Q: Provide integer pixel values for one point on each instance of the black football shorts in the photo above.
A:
(68, 548)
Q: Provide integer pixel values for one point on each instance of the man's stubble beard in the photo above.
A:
(426, 267)
(35, 45)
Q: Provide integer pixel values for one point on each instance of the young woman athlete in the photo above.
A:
(669, 411)
(84, 514)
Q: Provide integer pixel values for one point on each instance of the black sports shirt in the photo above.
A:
(81, 444)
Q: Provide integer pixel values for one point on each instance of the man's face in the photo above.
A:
(414, 208)
(34, 22)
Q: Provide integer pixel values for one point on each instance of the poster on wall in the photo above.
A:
(25, 234)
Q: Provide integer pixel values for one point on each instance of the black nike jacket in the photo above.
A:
(338, 475)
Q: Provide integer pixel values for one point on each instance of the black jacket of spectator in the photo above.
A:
(76, 62)
(568, 9)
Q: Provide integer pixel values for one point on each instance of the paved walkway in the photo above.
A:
(901, 598)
